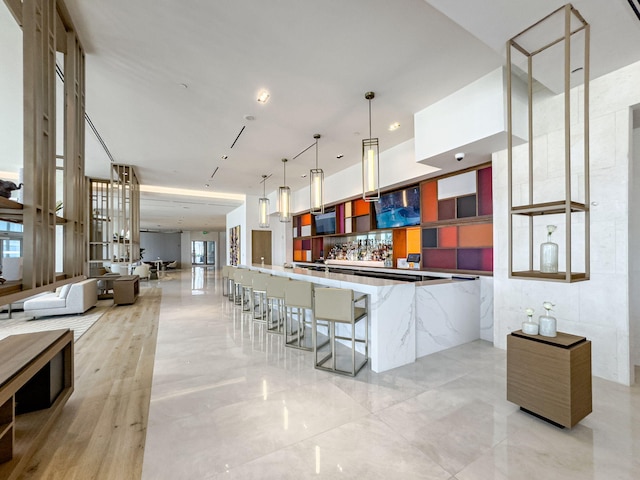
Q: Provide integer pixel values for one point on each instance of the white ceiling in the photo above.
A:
(316, 58)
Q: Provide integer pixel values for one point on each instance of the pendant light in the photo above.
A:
(284, 196)
(370, 162)
(263, 205)
(316, 185)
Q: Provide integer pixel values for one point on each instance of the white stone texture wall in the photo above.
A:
(598, 308)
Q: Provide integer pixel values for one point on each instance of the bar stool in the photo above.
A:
(298, 297)
(247, 290)
(259, 295)
(237, 285)
(275, 302)
(338, 306)
(231, 270)
(225, 280)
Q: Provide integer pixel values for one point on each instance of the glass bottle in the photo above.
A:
(548, 324)
(549, 253)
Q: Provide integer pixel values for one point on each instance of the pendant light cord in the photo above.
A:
(284, 172)
(369, 121)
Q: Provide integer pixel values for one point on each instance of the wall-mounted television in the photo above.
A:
(398, 209)
(325, 223)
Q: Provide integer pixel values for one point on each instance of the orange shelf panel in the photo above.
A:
(360, 207)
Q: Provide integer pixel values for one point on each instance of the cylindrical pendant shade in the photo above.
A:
(284, 203)
(370, 170)
(316, 180)
(263, 212)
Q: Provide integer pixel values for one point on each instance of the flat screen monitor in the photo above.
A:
(325, 223)
(398, 209)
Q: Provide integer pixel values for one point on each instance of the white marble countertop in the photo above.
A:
(401, 271)
(323, 277)
(355, 282)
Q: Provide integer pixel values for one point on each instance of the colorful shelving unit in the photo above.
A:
(457, 222)
(455, 231)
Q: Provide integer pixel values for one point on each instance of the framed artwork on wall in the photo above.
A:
(234, 245)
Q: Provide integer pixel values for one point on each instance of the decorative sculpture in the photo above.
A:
(7, 186)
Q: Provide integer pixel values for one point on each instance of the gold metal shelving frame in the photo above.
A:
(573, 24)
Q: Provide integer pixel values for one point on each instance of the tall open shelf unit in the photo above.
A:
(114, 236)
(548, 177)
(53, 148)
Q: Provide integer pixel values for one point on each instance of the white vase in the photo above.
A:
(547, 326)
(530, 328)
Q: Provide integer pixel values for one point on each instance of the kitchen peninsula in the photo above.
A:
(407, 319)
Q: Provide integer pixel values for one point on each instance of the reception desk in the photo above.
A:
(407, 319)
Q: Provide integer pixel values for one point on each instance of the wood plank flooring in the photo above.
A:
(101, 431)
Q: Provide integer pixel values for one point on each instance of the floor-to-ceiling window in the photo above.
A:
(203, 252)
(11, 237)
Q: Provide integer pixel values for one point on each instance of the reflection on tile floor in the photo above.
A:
(230, 401)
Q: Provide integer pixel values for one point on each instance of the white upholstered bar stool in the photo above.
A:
(339, 307)
(275, 303)
(259, 296)
(298, 300)
(225, 280)
(231, 270)
(237, 285)
(247, 290)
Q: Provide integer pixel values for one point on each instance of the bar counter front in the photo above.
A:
(408, 319)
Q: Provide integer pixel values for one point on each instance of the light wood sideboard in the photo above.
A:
(550, 377)
(36, 379)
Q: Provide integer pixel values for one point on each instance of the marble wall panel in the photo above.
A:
(447, 315)
(600, 307)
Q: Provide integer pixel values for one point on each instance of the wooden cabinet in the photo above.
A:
(126, 289)
(550, 377)
(36, 376)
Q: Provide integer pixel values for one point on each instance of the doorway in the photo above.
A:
(261, 246)
(203, 252)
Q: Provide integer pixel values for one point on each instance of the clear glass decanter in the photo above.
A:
(549, 253)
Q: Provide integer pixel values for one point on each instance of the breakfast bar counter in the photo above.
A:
(404, 313)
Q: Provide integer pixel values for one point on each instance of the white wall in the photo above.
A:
(397, 165)
(218, 237)
(598, 308)
(474, 117)
(634, 242)
(246, 215)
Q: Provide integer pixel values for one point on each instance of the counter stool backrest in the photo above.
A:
(260, 281)
(299, 294)
(237, 275)
(247, 278)
(336, 304)
(276, 286)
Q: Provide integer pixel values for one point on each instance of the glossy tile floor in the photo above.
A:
(230, 402)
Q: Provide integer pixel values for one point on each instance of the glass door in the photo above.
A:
(203, 252)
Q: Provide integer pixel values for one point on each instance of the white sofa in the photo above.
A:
(70, 298)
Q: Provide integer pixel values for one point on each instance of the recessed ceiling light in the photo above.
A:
(249, 117)
(340, 156)
(394, 126)
(304, 175)
(263, 96)
(206, 185)
(224, 157)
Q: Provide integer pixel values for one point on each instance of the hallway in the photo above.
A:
(229, 401)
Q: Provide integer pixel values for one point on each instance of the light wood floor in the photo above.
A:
(101, 431)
